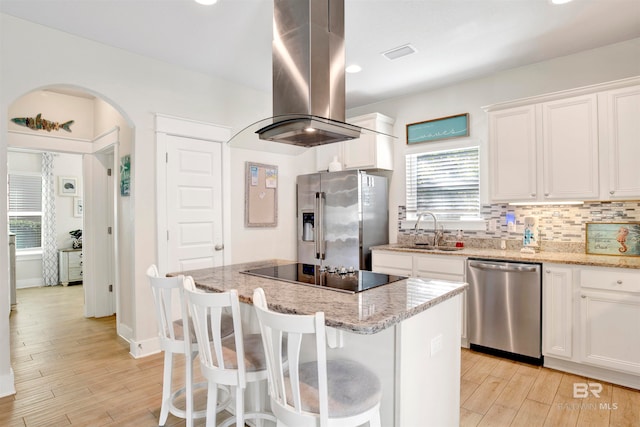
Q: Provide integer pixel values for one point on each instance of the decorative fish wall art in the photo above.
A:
(38, 123)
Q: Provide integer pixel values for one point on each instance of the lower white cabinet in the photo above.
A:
(444, 267)
(610, 319)
(70, 266)
(557, 311)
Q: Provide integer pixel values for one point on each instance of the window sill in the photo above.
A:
(448, 224)
(29, 255)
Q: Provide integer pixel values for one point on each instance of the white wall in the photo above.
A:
(138, 87)
(590, 67)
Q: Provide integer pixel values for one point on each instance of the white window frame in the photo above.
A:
(470, 224)
(25, 252)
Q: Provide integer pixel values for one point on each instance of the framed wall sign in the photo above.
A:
(437, 129)
(261, 195)
(125, 175)
(613, 238)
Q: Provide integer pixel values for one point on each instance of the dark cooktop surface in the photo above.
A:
(326, 277)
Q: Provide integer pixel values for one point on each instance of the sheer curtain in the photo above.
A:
(49, 244)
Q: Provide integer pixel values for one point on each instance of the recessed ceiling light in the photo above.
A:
(399, 52)
(207, 2)
(353, 68)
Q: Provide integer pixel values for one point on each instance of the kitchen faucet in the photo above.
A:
(437, 235)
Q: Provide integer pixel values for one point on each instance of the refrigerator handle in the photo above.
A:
(316, 228)
(321, 198)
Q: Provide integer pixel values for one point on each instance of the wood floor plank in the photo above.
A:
(531, 414)
(485, 395)
(626, 412)
(515, 392)
(545, 387)
(498, 416)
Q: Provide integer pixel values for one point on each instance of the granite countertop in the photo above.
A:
(551, 257)
(365, 312)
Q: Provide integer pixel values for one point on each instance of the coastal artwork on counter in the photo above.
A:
(613, 238)
(437, 129)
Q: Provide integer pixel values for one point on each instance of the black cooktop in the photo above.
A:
(337, 279)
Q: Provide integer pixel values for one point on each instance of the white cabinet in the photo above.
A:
(570, 149)
(513, 154)
(610, 319)
(545, 152)
(443, 267)
(70, 266)
(621, 134)
(557, 311)
(370, 151)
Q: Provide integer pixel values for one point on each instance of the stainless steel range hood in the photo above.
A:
(308, 74)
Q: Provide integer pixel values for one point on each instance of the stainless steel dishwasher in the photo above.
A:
(504, 315)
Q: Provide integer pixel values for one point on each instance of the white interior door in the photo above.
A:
(194, 203)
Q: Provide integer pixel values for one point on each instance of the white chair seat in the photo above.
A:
(352, 388)
(178, 328)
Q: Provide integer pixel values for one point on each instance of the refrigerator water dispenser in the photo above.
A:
(307, 226)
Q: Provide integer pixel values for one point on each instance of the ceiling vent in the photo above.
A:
(399, 52)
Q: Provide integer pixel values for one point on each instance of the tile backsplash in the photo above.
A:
(562, 227)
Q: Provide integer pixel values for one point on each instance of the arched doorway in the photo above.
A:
(98, 131)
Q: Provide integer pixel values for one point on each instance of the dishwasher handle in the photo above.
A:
(520, 268)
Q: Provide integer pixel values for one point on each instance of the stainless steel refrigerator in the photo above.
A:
(340, 216)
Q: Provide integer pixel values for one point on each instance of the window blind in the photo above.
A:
(25, 209)
(446, 183)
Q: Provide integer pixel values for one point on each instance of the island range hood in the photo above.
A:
(308, 74)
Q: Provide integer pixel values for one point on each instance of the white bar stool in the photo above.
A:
(235, 361)
(168, 296)
(327, 393)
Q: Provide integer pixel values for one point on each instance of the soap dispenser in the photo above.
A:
(459, 242)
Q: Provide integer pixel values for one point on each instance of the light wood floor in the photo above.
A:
(75, 371)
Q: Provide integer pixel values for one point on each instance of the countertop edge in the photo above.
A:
(544, 257)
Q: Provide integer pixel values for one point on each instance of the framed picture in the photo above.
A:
(261, 195)
(437, 129)
(68, 186)
(613, 238)
(77, 206)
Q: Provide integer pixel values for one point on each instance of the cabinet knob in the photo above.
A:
(612, 192)
(619, 282)
(547, 271)
(583, 296)
(546, 194)
(533, 194)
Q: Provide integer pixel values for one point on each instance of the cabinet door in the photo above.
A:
(570, 148)
(623, 139)
(609, 330)
(392, 263)
(512, 145)
(557, 311)
(326, 153)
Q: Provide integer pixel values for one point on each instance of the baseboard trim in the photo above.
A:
(615, 377)
(144, 348)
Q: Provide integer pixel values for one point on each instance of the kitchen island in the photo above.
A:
(408, 332)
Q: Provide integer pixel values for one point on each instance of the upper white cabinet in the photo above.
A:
(513, 152)
(370, 151)
(621, 134)
(580, 144)
(570, 149)
(563, 134)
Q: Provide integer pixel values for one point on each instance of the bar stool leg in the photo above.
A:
(166, 387)
(212, 402)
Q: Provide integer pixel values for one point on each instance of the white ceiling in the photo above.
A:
(455, 39)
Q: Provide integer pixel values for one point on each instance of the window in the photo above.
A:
(446, 183)
(25, 209)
